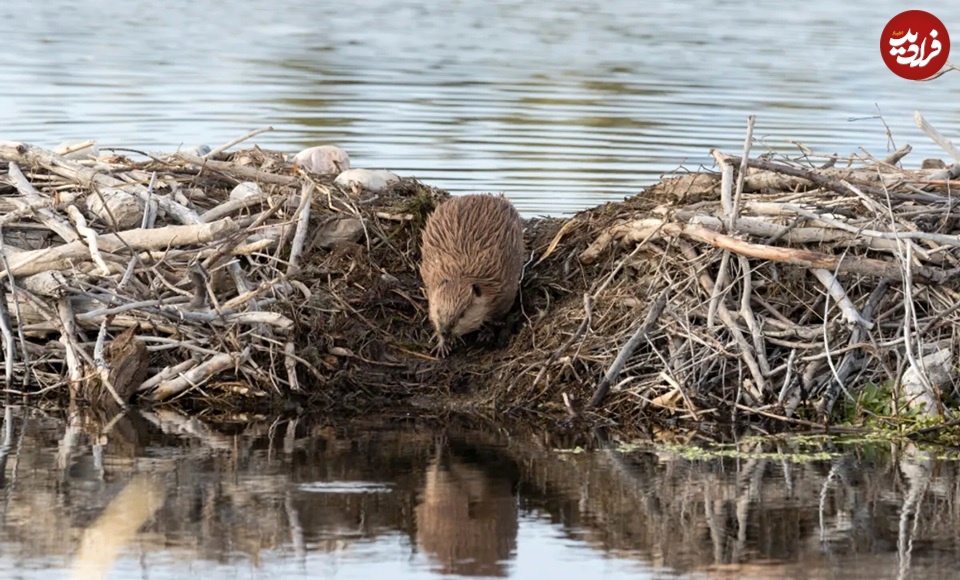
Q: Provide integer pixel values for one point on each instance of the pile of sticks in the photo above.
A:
(111, 266)
(774, 287)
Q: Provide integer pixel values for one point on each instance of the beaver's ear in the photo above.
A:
(476, 290)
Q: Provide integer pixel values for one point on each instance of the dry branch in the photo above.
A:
(59, 257)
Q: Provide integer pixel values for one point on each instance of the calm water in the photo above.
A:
(561, 104)
(160, 496)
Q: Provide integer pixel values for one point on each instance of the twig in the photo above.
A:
(239, 139)
(248, 173)
(742, 174)
(746, 312)
(91, 236)
(102, 368)
(38, 205)
(627, 351)
(303, 222)
(584, 325)
(197, 375)
(67, 339)
(834, 289)
(729, 219)
(149, 215)
(168, 373)
(746, 352)
(290, 362)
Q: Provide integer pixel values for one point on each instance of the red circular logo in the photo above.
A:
(915, 45)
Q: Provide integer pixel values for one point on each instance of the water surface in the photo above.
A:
(560, 104)
(158, 495)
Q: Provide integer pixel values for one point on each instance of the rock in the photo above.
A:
(339, 231)
(375, 180)
(122, 210)
(245, 190)
(198, 150)
(937, 367)
(323, 159)
(50, 284)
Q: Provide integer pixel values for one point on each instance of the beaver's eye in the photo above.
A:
(476, 290)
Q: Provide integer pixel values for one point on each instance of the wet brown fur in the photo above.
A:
(472, 259)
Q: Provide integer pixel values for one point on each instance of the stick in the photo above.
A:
(746, 312)
(248, 173)
(584, 325)
(91, 237)
(729, 219)
(197, 375)
(746, 352)
(36, 261)
(290, 362)
(849, 310)
(240, 139)
(303, 222)
(167, 373)
(68, 149)
(639, 229)
(67, 334)
(228, 207)
(102, 368)
(747, 142)
(614, 372)
(726, 188)
(149, 215)
(895, 235)
(37, 204)
(808, 174)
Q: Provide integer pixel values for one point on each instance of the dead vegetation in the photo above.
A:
(775, 286)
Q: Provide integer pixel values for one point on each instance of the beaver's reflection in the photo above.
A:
(467, 515)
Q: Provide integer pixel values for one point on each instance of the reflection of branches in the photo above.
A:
(170, 421)
(69, 441)
(749, 482)
(834, 470)
(7, 445)
(918, 473)
(296, 529)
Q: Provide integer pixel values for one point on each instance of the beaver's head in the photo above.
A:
(458, 306)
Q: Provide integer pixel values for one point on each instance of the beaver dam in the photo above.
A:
(809, 289)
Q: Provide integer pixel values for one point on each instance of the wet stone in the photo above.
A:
(374, 180)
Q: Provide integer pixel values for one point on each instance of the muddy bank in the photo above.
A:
(805, 290)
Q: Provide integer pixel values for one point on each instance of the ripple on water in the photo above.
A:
(561, 105)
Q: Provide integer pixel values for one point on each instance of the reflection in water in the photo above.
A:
(160, 495)
(116, 527)
(561, 104)
(467, 519)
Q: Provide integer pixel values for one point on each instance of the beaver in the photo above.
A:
(472, 257)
